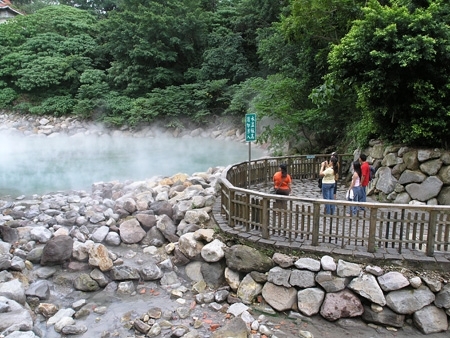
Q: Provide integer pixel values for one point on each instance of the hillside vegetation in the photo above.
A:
(328, 73)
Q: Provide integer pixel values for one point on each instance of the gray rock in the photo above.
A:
(407, 301)
(113, 239)
(402, 198)
(444, 174)
(431, 167)
(433, 284)
(235, 328)
(279, 297)
(131, 231)
(443, 297)
(67, 312)
(330, 282)
(308, 264)
(444, 196)
(40, 234)
(189, 246)
(431, 319)
(193, 271)
(100, 234)
(279, 276)
(162, 208)
(237, 308)
(374, 270)
(154, 237)
(347, 269)
(213, 273)
(121, 273)
(428, 154)
(310, 300)
(213, 251)
(385, 317)
(392, 281)
(259, 277)
(328, 263)
(167, 227)
(428, 189)
(366, 286)
(410, 159)
(389, 160)
(386, 181)
(409, 176)
(283, 260)
(302, 279)
(84, 282)
(147, 221)
(246, 259)
(248, 289)
(170, 278)
(197, 216)
(126, 288)
(99, 277)
(40, 289)
(151, 271)
(14, 290)
(57, 250)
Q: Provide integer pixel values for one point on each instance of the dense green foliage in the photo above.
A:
(397, 60)
(318, 73)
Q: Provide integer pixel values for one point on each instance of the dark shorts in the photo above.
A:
(283, 192)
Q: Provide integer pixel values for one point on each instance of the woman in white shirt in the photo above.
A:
(355, 187)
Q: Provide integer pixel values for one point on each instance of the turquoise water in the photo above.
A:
(40, 165)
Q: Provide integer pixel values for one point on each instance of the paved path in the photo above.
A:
(309, 188)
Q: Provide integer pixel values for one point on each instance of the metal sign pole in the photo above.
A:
(249, 161)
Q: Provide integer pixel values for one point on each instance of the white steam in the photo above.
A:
(38, 165)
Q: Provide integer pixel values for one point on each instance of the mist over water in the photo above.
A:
(40, 165)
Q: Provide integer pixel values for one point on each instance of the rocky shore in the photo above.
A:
(145, 259)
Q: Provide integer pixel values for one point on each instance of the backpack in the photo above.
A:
(372, 173)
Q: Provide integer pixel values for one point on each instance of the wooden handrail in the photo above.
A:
(382, 226)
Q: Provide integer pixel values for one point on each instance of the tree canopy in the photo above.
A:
(320, 73)
(397, 60)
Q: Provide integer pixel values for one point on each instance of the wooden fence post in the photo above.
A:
(372, 229)
(316, 224)
(265, 218)
(431, 235)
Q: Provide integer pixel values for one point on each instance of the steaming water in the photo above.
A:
(40, 165)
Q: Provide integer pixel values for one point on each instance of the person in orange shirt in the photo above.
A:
(282, 181)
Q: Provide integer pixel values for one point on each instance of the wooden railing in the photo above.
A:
(379, 227)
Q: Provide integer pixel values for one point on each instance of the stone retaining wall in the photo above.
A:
(342, 290)
(410, 175)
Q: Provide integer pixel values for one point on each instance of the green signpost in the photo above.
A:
(250, 127)
(250, 135)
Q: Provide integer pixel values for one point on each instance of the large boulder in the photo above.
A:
(407, 301)
(342, 304)
(131, 231)
(279, 297)
(57, 250)
(426, 190)
(246, 259)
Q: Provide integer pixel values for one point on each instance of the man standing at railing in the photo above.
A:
(365, 177)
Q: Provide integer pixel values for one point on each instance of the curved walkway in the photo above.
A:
(309, 188)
